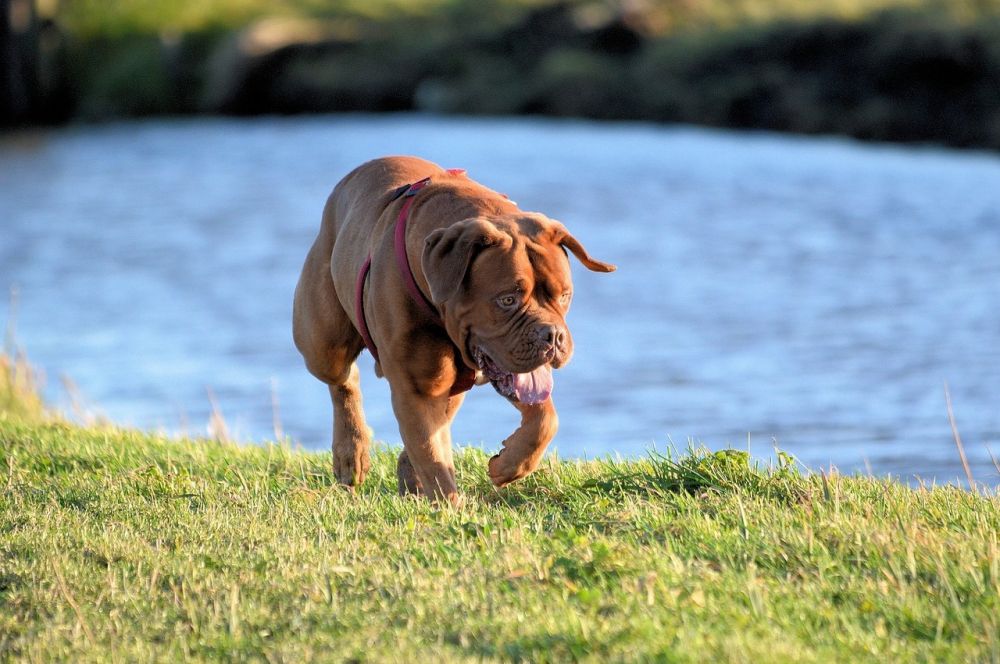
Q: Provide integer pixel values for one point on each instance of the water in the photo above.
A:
(813, 292)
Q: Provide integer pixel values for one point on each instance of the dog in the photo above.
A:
(448, 284)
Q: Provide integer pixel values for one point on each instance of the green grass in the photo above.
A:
(19, 396)
(125, 546)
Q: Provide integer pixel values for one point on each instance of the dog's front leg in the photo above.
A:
(427, 465)
(523, 449)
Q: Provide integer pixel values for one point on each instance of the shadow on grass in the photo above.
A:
(655, 476)
(724, 471)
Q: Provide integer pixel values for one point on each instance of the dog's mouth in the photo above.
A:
(529, 388)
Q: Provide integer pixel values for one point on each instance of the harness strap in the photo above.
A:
(359, 308)
(402, 258)
(466, 377)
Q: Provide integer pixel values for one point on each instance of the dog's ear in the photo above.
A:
(449, 251)
(563, 237)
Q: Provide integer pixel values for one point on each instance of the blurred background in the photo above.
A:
(802, 196)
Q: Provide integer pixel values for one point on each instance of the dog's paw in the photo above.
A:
(350, 469)
(502, 472)
(407, 480)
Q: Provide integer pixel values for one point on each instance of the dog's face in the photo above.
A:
(504, 287)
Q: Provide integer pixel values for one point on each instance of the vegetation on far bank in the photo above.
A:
(96, 18)
(123, 545)
(900, 70)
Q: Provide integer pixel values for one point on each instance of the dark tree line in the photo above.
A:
(34, 80)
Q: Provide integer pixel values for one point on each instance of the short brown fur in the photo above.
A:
(467, 246)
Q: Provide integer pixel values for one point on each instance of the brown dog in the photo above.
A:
(459, 278)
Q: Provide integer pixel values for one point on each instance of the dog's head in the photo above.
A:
(504, 288)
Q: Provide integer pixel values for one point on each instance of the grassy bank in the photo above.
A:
(897, 70)
(116, 544)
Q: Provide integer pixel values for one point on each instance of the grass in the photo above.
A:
(19, 394)
(125, 546)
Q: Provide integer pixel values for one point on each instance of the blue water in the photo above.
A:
(811, 293)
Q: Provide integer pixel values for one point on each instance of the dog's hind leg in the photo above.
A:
(522, 450)
(351, 456)
(406, 477)
(326, 337)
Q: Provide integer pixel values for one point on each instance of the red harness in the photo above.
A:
(466, 376)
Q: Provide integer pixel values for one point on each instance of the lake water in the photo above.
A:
(811, 293)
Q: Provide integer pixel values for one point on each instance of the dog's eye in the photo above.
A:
(507, 301)
(565, 298)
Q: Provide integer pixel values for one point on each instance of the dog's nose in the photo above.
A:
(554, 336)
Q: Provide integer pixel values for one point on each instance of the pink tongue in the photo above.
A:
(535, 387)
